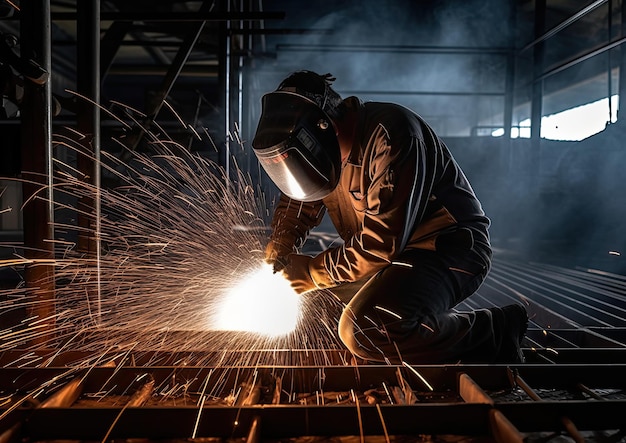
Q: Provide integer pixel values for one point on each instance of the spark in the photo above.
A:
(382, 421)
(399, 263)
(380, 308)
(180, 120)
(424, 325)
(178, 235)
(14, 5)
(195, 428)
(418, 375)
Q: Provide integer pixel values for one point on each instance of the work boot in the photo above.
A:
(513, 323)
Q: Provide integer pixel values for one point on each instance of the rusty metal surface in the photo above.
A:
(313, 401)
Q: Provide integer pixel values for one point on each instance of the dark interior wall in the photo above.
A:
(567, 208)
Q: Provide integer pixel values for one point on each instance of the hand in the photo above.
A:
(276, 254)
(296, 271)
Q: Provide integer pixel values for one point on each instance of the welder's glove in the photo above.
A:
(276, 254)
(296, 271)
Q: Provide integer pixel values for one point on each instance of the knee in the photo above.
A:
(365, 342)
(347, 331)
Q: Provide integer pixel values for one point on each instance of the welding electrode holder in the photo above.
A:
(280, 264)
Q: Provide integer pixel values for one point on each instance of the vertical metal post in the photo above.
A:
(240, 65)
(227, 84)
(509, 81)
(609, 60)
(537, 88)
(621, 108)
(36, 135)
(88, 120)
(509, 87)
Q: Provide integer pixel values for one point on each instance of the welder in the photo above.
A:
(415, 238)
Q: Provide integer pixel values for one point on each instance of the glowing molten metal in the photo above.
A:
(263, 303)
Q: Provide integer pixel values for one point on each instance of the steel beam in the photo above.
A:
(206, 15)
(307, 379)
(111, 41)
(172, 74)
(474, 416)
(80, 423)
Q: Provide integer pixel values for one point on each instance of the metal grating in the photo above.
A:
(571, 387)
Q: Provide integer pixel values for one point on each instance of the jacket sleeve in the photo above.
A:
(398, 181)
(291, 224)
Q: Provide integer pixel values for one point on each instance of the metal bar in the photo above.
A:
(434, 93)
(139, 398)
(224, 80)
(111, 41)
(621, 108)
(172, 74)
(567, 423)
(546, 415)
(596, 356)
(161, 29)
(66, 396)
(564, 24)
(36, 136)
(174, 16)
(289, 421)
(281, 31)
(609, 63)
(537, 85)
(11, 435)
(254, 435)
(502, 429)
(235, 422)
(455, 50)
(495, 377)
(88, 123)
(509, 92)
(581, 58)
(471, 392)
(186, 71)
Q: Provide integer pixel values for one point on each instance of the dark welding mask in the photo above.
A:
(296, 144)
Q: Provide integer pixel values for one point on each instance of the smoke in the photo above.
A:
(556, 201)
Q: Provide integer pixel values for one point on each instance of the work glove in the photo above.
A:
(296, 270)
(276, 254)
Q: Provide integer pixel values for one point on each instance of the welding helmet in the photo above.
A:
(297, 146)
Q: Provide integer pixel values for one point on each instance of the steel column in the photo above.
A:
(622, 67)
(36, 123)
(224, 81)
(537, 86)
(88, 120)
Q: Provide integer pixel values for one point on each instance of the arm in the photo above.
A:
(290, 225)
(399, 182)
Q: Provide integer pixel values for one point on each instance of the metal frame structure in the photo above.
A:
(471, 400)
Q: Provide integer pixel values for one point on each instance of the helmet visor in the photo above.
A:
(296, 144)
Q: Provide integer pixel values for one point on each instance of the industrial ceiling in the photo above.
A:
(455, 63)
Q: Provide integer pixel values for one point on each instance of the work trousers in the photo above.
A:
(405, 312)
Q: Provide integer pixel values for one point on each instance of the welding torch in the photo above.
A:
(280, 263)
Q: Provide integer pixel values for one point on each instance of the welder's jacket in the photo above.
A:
(400, 188)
